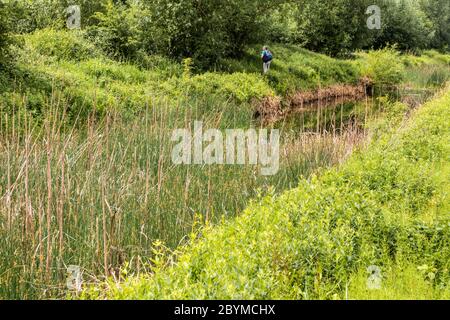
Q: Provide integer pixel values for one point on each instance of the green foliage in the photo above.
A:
(339, 26)
(4, 34)
(117, 30)
(205, 31)
(438, 57)
(242, 87)
(295, 68)
(62, 45)
(332, 27)
(281, 26)
(438, 12)
(402, 281)
(386, 206)
(298, 69)
(403, 25)
(208, 32)
(30, 15)
(129, 154)
(187, 68)
(384, 67)
(165, 66)
(69, 61)
(310, 242)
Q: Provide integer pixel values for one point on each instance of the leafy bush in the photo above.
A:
(438, 13)
(63, 44)
(208, 32)
(4, 36)
(281, 26)
(32, 15)
(204, 31)
(332, 27)
(117, 30)
(37, 14)
(386, 205)
(404, 25)
(384, 67)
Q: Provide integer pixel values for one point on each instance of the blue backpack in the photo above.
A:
(267, 56)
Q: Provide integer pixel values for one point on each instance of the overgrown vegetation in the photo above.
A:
(99, 195)
(208, 32)
(90, 81)
(86, 176)
(4, 37)
(383, 67)
(387, 206)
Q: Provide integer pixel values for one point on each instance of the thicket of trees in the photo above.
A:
(4, 39)
(209, 30)
(404, 24)
(334, 26)
(437, 13)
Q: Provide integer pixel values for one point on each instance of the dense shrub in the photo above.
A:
(37, 14)
(339, 26)
(281, 26)
(404, 25)
(63, 45)
(384, 67)
(332, 27)
(384, 207)
(438, 12)
(117, 30)
(205, 31)
(208, 32)
(4, 36)
(30, 15)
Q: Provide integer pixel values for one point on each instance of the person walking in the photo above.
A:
(267, 57)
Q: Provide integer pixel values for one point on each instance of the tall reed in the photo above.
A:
(98, 193)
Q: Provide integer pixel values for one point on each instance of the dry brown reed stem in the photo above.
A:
(272, 109)
(49, 197)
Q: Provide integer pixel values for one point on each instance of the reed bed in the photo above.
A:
(98, 192)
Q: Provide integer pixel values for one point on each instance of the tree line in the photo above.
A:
(209, 30)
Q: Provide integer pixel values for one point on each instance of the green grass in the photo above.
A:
(403, 281)
(387, 206)
(295, 68)
(98, 194)
(431, 69)
(85, 170)
(90, 81)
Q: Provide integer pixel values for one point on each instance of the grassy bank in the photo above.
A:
(86, 176)
(98, 193)
(387, 206)
(49, 60)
